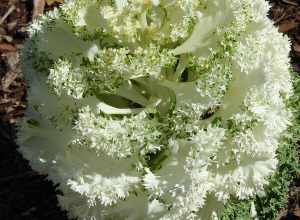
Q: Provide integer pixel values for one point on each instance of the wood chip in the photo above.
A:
(12, 60)
(297, 212)
(8, 80)
(7, 38)
(5, 47)
(10, 10)
(291, 2)
(50, 2)
(12, 25)
(2, 31)
(38, 8)
(279, 18)
(296, 47)
(287, 25)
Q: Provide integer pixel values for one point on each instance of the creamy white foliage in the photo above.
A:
(104, 190)
(155, 109)
(130, 134)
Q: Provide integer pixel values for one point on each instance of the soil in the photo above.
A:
(26, 195)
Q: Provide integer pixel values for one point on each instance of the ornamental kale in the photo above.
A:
(155, 109)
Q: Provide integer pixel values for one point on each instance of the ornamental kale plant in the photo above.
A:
(156, 109)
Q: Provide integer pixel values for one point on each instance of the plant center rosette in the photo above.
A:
(155, 109)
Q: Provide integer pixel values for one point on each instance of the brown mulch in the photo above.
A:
(23, 193)
(286, 15)
(14, 18)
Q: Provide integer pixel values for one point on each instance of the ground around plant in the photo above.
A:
(26, 195)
